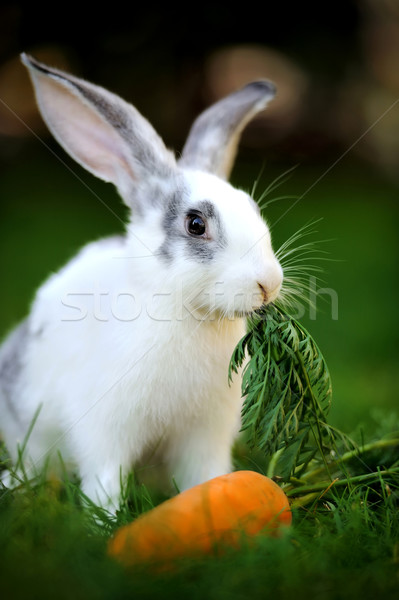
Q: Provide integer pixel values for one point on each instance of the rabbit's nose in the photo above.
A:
(269, 293)
(270, 285)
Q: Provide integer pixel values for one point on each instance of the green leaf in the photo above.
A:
(287, 390)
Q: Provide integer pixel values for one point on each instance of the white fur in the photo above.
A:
(128, 353)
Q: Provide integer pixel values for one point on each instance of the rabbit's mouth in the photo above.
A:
(261, 310)
(256, 311)
(246, 314)
(230, 313)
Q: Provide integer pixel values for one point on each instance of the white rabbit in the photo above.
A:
(126, 349)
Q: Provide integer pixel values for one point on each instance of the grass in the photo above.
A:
(53, 544)
(344, 494)
(344, 542)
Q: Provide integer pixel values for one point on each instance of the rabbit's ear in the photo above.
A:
(102, 132)
(212, 142)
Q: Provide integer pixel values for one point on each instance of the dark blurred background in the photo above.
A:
(335, 118)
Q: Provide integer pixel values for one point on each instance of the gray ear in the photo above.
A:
(212, 142)
(102, 132)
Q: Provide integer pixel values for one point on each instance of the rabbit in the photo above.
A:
(123, 359)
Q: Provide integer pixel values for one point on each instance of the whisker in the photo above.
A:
(263, 205)
(296, 258)
(276, 183)
(304, 231)
(300, 261)
(256, 181)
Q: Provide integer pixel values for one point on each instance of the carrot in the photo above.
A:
(203, 519)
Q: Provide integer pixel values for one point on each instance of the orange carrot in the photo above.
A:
(203, 518)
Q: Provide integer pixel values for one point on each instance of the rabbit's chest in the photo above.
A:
(181, 377)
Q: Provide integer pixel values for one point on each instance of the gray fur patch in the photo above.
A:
(169, 225)
(205, 250)
(212, 214)
(11, 364)
(147, 148)
(214, 136)
(134, 134)
(199, 249)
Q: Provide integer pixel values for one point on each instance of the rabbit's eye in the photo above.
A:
(195, 225)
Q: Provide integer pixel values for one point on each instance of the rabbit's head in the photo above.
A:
(199, 229)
